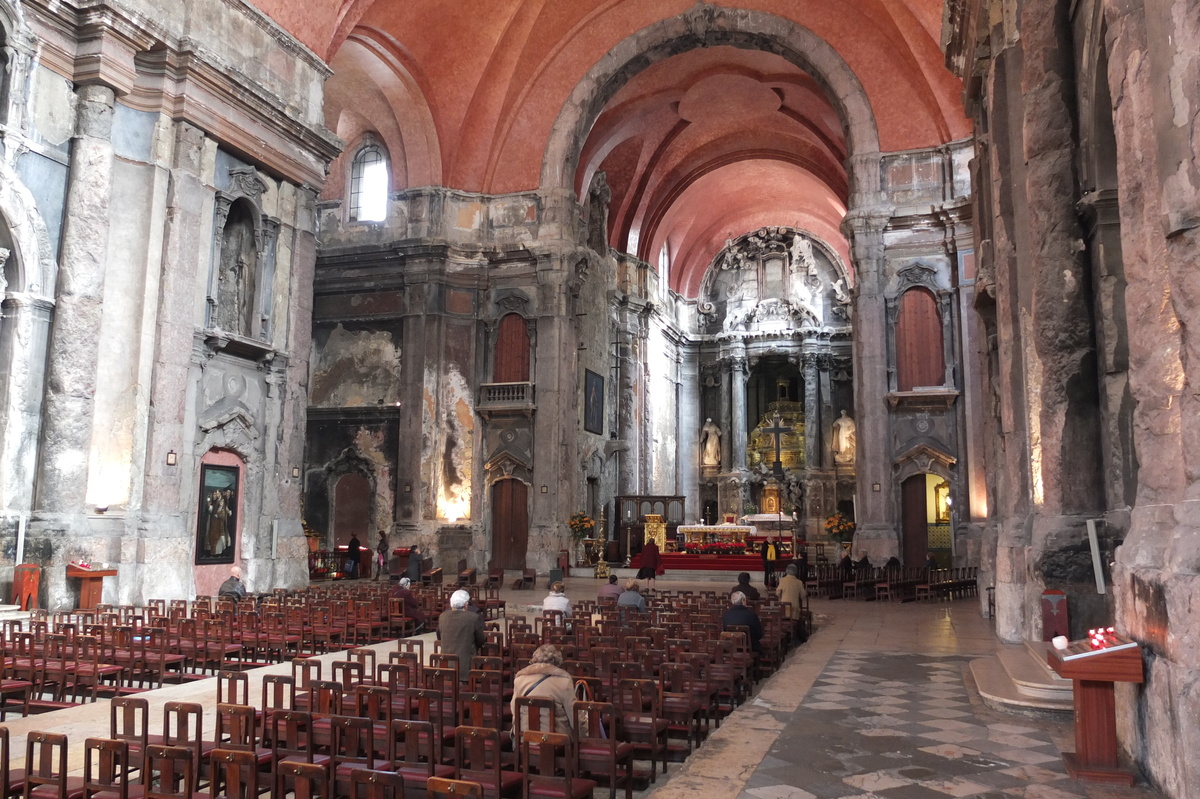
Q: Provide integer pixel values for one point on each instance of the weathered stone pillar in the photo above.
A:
(737, 422)
(812, 412)
(688, 425)
(875, 534)
(75, 337)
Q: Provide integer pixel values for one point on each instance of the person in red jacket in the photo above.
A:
(651, 562)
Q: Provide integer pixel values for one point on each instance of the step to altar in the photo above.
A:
(1018, 678)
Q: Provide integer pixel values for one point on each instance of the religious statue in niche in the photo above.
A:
(710, 444)
(845, 437)
(216, 529)
(236, 272)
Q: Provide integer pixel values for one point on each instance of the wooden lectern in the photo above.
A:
(91, 584)
(1094, 664)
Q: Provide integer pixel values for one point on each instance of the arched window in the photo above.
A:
(369, 184)
(664, 269)
(920, 360)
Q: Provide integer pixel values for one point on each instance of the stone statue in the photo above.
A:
(710, 444)
(802, 255)
(845, 437)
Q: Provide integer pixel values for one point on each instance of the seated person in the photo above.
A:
(739, 615)
(557, 600)
(743, 585)
(544, 676)
(609, 589)
(233, 587)
(632, 597)
(412, 606)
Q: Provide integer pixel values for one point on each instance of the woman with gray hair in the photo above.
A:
(544, 676)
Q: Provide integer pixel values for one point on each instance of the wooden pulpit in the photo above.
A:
(1094, 664)
(91, 584)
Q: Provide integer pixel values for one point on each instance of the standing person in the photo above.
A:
(353, 551)
(650, 563)
(792, 592)
(414, 564)
(381, 549)
(544, 676)
(461, 632)
(770, 553)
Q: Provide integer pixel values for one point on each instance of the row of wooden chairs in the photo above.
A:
(168, 772)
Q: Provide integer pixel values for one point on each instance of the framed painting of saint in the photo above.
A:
(216, 525)
(593, 402)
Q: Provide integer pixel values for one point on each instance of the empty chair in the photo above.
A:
(548, 765)
(169, 773)
(307, 780)
(105, 768)
(234, 774)
(439, 788)
(372, 784)
(46, 768)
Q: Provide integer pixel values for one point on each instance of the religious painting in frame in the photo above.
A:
(593, 402)
(216, 521)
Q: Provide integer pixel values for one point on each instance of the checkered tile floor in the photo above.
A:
(903, 726)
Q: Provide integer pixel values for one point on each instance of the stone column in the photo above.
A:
(737, 422)
(876, 530)
(812, 412)
(75, 336)
(688, 427)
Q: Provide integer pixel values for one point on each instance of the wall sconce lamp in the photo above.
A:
(172, 458)
(545, 490)
(295, 471)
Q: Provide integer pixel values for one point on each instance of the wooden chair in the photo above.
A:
(129, 721)
(642, 722)
(238, 729)
(478, 759)
(371, 784)
(307, 780)
(527, 580)
(601, 755)
(12, 780)
(106, 768)
(352, 747)
(438, 788)
(412, 748)
(548, 765)
(46, 768)
(234, 774)
(170, 773)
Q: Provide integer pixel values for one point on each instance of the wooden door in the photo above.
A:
(920, 360)
(512, 351)
(510, 523)
(914, 516)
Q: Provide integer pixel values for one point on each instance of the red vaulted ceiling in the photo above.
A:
(698, 148)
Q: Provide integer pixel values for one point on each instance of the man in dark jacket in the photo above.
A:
(461, 632)
(739, 615)
(233, 587)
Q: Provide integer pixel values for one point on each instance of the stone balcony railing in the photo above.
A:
(506, 398)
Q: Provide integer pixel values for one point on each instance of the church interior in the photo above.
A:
(277, 274)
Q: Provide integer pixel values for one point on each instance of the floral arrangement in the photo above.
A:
(581, 526)
(839, 528)
(715, 549)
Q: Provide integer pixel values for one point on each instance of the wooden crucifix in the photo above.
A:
(777, 430)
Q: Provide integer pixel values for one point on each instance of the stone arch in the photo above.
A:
(34, 266)
(710, 26)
